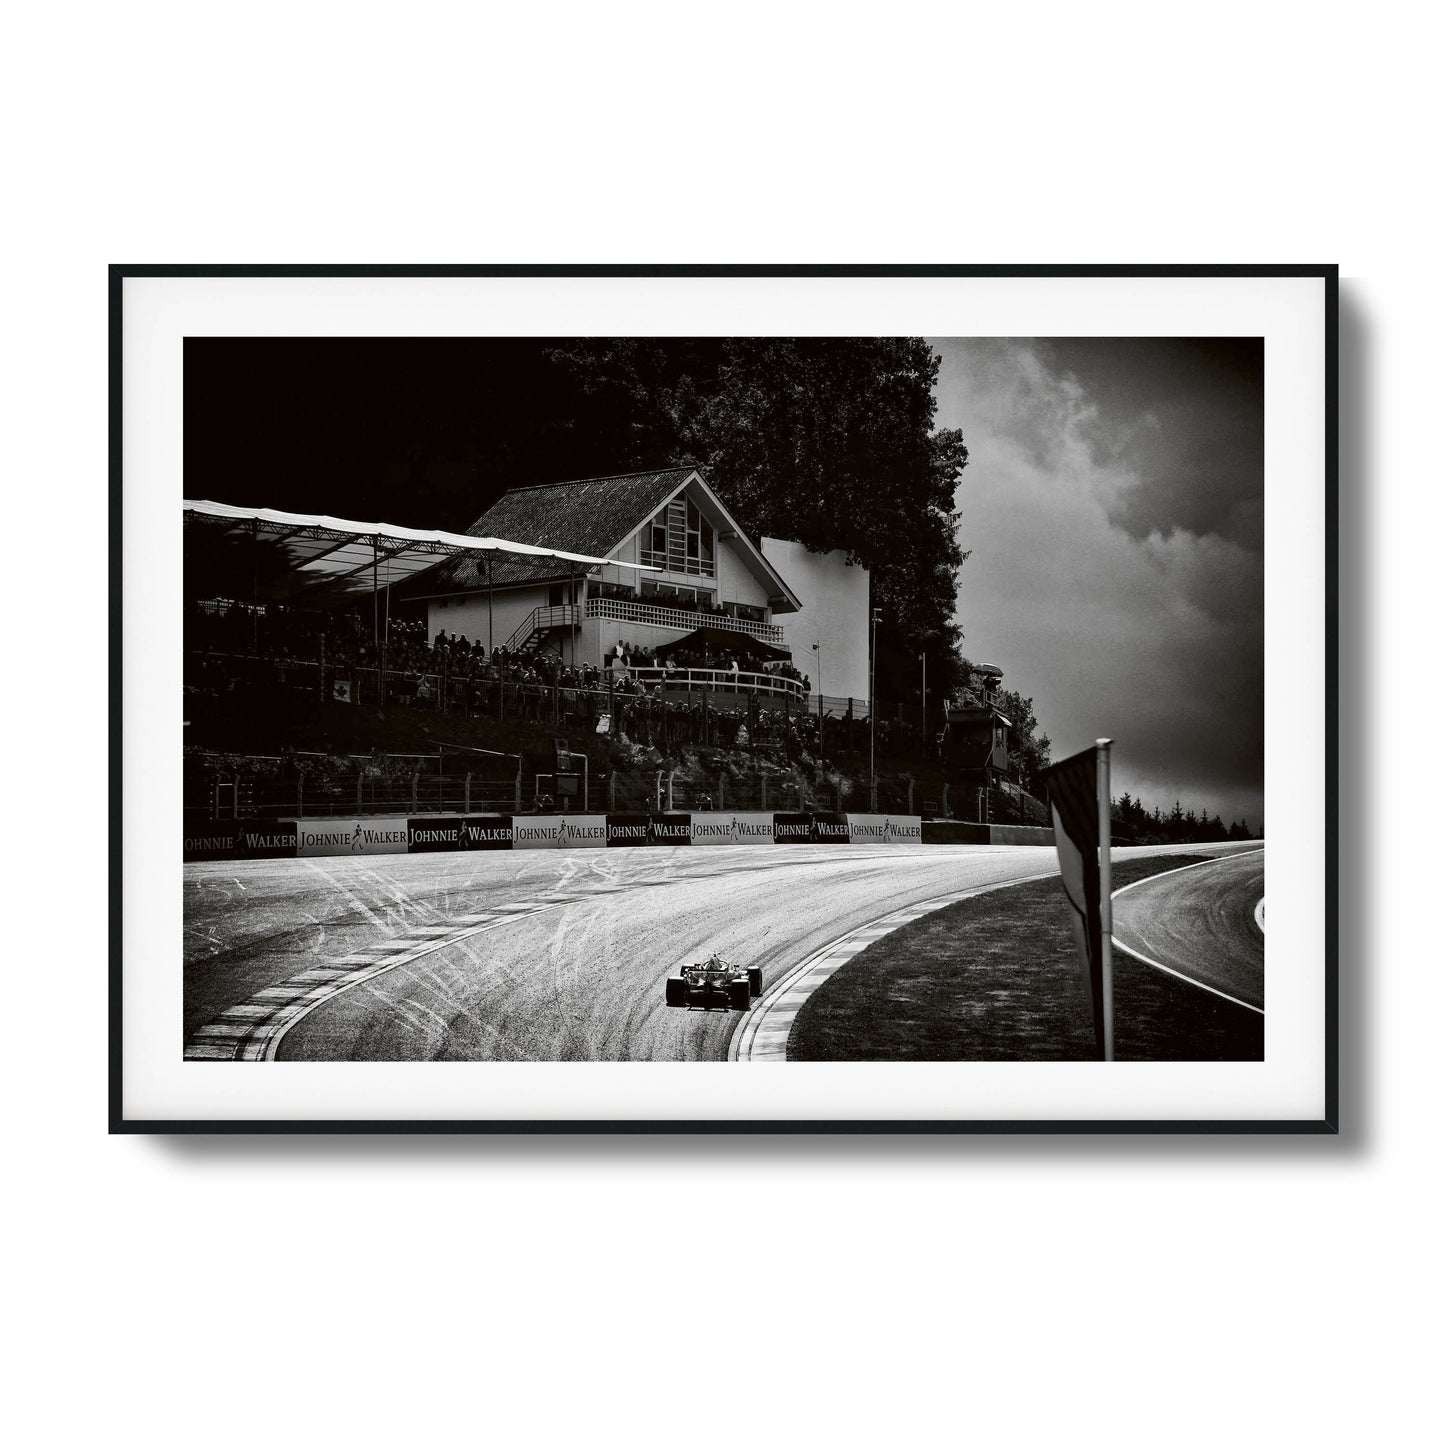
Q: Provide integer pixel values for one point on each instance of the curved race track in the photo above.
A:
(545, 955)
(1201, 922)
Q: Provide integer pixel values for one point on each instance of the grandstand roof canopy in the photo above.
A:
(317, 554)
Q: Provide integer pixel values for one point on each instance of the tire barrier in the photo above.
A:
(451, 833)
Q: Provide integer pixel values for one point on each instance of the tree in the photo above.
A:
(824, 441)
(830, 442)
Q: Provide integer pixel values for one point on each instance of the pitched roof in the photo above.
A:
(604, 511)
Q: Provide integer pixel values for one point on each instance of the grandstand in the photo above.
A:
(312, 697)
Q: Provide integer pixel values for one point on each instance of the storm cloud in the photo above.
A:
(1113, 505)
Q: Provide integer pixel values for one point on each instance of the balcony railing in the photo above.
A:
(718, 679)
(680, 618)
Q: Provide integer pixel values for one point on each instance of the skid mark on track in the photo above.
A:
(409, 929)
(253, 1030)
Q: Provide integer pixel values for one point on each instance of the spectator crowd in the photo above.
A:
(340, 639)
(647, 692)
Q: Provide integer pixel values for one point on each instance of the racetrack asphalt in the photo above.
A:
(1201, 923)
(575, 972)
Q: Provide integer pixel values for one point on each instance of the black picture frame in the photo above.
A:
(120, 1122)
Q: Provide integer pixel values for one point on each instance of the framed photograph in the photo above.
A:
(531, 684)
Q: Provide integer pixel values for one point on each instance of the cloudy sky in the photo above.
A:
(1114, 505)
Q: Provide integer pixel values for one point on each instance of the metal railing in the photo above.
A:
(645, 614)
(699, 716)
(718, 679)
(501, 692)
(566, 614)
(680, 619)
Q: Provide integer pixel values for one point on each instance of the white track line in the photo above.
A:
(1164, 968)
(762, 1036)
(1203, 863)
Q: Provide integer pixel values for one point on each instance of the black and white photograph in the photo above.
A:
(761, 682)
(787, 699)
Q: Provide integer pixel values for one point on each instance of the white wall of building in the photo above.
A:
(735, 583)
(623, 576)
(467, 616)
(834, 613)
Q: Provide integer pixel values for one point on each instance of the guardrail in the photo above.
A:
(680, 618)
(718, 679)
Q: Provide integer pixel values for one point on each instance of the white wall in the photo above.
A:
(834, 612)
(623, 576)
(734, 582)
(469, 619)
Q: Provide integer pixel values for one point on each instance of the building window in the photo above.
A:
(678, 539)
(616, 590)
(666, 594)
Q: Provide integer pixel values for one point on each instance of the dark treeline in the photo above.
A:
(825, 441)
(1133, 823)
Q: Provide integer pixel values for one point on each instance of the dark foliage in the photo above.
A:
(1133, 823)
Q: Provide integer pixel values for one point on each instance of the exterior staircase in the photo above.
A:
(527, 640)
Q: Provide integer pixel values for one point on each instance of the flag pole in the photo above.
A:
(1106, 905)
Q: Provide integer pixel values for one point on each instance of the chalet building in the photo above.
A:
(713, 590)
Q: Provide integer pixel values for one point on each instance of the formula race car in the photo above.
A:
(714, 984)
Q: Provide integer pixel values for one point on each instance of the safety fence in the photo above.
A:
(702, 707)
(239, 788)
(700, 791)
(244, 788)
(516, 690)
(240, 794)
(709, 792)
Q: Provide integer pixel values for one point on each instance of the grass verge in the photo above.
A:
(997, 978)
